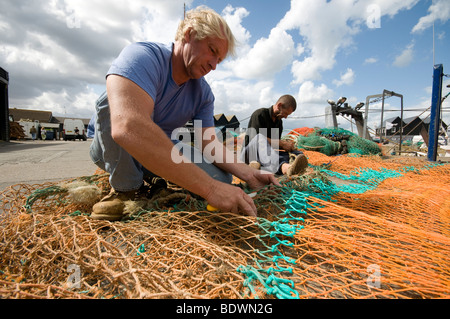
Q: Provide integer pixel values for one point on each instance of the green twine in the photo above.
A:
(78, 213)
(141, 250)
(42, 193)
(273, 285)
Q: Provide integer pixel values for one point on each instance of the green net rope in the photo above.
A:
(333, 141)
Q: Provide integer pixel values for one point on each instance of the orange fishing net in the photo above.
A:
(401, 228)
(304, 131)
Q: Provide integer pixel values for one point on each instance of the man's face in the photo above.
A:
(281, 112)
(202, 56)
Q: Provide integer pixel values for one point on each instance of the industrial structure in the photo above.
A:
(4, 105)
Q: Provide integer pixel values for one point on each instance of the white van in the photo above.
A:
(74, 129)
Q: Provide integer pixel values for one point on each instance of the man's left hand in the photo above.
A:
(259, 179)
(287, 145)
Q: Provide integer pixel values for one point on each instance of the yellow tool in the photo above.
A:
(211, 208)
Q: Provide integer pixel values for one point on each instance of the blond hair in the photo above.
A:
(206, 23)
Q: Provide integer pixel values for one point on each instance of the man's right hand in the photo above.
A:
(229, 198)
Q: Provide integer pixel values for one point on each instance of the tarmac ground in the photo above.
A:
(38, 162)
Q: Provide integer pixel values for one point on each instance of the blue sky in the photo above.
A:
(390, 56)
(57, 52)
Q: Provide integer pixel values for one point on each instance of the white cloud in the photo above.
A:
(311, 105)
(267, 57)
(308, 69)
(241, 97)
(63, 103)
(322, 40)
(429, 90)
(328, 27)
(439, 10)
(346, 79)
(245, 83)
(145, 18)
(370, 60)
(309, 93)
(53, 50)
(406, 57)
(149, 27)
(234, 17)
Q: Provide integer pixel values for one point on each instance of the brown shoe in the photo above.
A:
(298, 166)
(112, 205)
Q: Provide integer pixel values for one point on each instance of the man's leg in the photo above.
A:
(126, 174)
(274, 161)
(260, 150)
(195, 156)
(293, 163)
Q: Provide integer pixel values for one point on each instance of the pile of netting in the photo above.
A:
(333, 141)
(352, 226)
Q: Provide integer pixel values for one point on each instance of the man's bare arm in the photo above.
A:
(133, 129)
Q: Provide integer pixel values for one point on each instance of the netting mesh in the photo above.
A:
(333, 141)
(352, 227)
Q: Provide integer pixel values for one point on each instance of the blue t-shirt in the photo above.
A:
(149, 65)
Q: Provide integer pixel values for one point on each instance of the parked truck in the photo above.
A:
(74, 129)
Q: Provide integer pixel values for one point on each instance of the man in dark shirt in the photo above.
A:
(263, 143)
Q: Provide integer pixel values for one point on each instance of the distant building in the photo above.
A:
(41, 118)
(220, 120)
(222, 123)
(21, 115)
(426, 123)
(411, 126)
(233, 122)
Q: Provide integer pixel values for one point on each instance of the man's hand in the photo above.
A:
(260, 178)
(287, 145)
(229, 198)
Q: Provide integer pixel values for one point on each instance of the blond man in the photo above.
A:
(153, 89)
